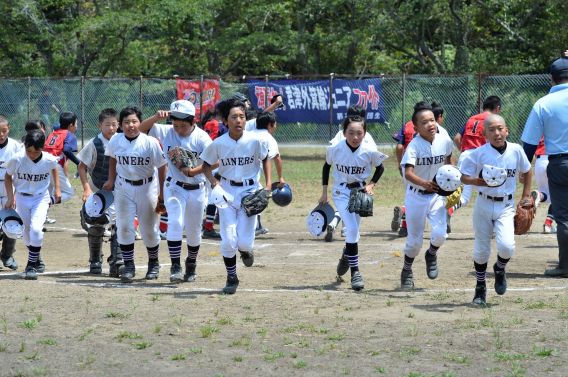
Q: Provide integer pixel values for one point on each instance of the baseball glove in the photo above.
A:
(160, 208)
(360, 203)
(182, 159)
(526, 211)
(256, 202)
(454, 197)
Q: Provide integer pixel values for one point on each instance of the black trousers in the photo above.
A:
(558, 184)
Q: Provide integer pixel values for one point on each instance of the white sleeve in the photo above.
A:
(86, 155)
(250, 125)
(450, 147)
(409, 156)
(210, 154)
(159, 159)
(328, 155)
(11, 166)
(109, 150)
(337, 138)
(159, 131)
(263, 149)
(377, 158)
(272, 147)
(469, 165)
(524, 164)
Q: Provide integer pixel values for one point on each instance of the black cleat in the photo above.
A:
(175, 273)
(232, 284)
(211, 234)
(431, 265)
(343, 265)
(480, 291)
(406, 279)
(10, 263)
(40, 266)
(153, 270)
(329, 233)
(403, 232)
(397, 219)
(189, 275)
(247, 257)
(357, 281)
(31, 273)
(500, 281)
(129, 272)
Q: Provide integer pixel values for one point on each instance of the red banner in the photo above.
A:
(190, 91)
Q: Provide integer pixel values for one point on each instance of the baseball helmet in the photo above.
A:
(12, 224)
(221, 198)
(281, 196)
(448, 179)
(493, 176)
(94, 208)
(319, 218)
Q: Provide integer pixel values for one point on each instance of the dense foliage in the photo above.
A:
(250, 37)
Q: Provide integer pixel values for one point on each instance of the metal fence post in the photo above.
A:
(265, 92)
(201, 101)
(141, 100)
(330, 105)
(479, 93)
(82, 111)
(403, 99)
(29, 97)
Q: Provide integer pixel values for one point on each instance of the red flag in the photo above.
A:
(190, 91)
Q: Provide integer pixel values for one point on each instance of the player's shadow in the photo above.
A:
(80, 235)
(541, 247)
(334, 286)
(450, 307)
(510, 275)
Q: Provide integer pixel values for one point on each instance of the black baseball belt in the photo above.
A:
(496, 198)
(139, 182)
(247, 182)
(185, 186)
(555, 156)
(423, 192)
(353, 185)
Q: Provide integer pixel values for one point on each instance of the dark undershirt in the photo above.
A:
(502, 149)
(4, 143)
(131, 139)
(38, 159)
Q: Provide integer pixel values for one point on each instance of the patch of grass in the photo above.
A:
(497, 341)
(457, 359)
(411, 331)
(343, 356)
(224, 321)
(543, 351)
(86, 361)
(207, 331)
(263, 332)
(249, 319)
(323, 330)
(466, 326)
(515, 321)
(448, 373)
(441, 296)
(293, 355)
(29, 324)
(373, 352)
(534, 305)
(503, 356)
(380, 370)
(4, 322)
(40, 371)
(345, 371)
(116, 315)
(23, 346)
(562, 315)
(157, 328)
(408, 351)
(410, 315)
(273, 356)
(390, 302)
(178, 357)
(517, 370)
(39, 317)
(238, 358)
(493, 369)
(142, 345)
(35, 356)
(242, 341)
(50, 342)
(128, 335)
(4, 346)
(518, 300)
(155, 297)
(247, 307)
(317, 310)
(371, 331)
(299, 364)
(335, 337)
(196, 350)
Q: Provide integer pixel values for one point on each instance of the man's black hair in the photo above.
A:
(107, 113)
(560, 77)
(225, 107)
(264, 119)
(210, 114)
(437, 110)
(491, 103)
(4, 119)
(130, 110)
(36, 139)
(357, 110)
(34, 124)
(419, 108)
(252, 113)
(67, 119)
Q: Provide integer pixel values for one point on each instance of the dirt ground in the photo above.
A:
(290, 315)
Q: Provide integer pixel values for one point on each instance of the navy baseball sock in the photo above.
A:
(231, 265)
(192, 253)
(480, 271)
(259, 225)
(433, 249)
(33, 254)
(501, 263)
(352, 252)
(153, 253)
(408, 263)
(210, 216)
(127, 252)
(174, 247)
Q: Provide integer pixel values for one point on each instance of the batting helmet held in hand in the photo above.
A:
(319, 218)
(281, 196)
(493, 176)
(448, 179)
(94, 208)
(12, 224)
(221, 198)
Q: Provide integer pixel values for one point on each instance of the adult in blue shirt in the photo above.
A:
(549, 117)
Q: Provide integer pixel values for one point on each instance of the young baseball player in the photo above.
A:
(239, 155)
(265, 127)
(28, 174)
(93, 160)
(185, 195)
(543, 194)
(8, 148)
(495, 208)
(425, 154)
(134, 157)
(353, 161)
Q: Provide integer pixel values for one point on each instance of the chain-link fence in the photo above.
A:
(459, 95)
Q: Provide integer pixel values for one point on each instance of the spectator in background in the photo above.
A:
(46, 105)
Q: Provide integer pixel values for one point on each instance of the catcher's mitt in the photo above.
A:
(360, 203)
(526, 211)
(160, 208)
(256, 202)
(182, 159)
(454, 197)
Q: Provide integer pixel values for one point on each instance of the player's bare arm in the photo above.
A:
(413, 178)
(11, 202)
(399, 155)
(323, 199)
(148, 123)
(458, 140)
(111, 174)
(161, 178)
(57, 187)
(449, 160)
(278, 164)
(274, 105)
(199, 170)
(474, 181)
(82, 169)
(267, 167)
(527, 184)
(207, 170)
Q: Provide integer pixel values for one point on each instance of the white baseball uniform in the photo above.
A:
(31, 181)
(185, 204)
(420, 204)
(270, 142)
(467, 189)
(541, 176)
(351, 167)
(489, 214)
(136, 162)
(9, 149)
(240, 162)
(340, 137)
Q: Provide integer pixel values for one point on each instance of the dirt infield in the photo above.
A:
(290, 314)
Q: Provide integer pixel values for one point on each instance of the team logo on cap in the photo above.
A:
(176, 106)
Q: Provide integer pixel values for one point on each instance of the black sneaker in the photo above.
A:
(153, 270)
(403, 232)
(190, 274)
(343, 265)
(232, 284)
(480, 291)
(211, 234)
(431, 265)
(247, 257)
(40, 266)
(31, 273)
(357, 281)
(406, 279)
(397, 219)
(175, 273)
(129, 272)
(500, 281)
(10, 263)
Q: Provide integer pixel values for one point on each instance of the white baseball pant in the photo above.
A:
(467, 189)
(489, 216)
(64, 185)
(420, 207)
(541, 176)
(131, 201)
(185, 210)
(352, 221)
(237, 229)
(33, 210)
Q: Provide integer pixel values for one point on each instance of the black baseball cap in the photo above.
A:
(240, 96)
(559, 65)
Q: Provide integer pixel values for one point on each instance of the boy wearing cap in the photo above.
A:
(185, 196)
(92, 159)
(495, 208)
